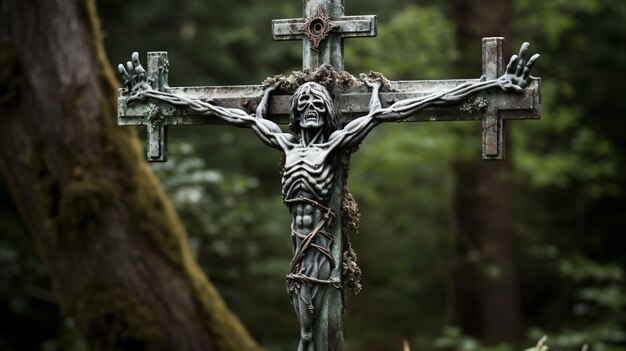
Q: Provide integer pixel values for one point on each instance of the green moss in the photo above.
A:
(81, 207)
(113, 319)
(154, 221)
(73, 100)
(75, 209)
(48, 188)
(90, 14)
(227, 332)
(350, 218)
(474, 104)
(11, 78)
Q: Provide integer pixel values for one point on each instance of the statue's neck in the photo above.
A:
(315, 136)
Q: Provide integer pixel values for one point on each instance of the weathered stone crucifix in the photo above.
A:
(329, 113)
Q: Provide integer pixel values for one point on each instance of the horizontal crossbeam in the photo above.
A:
(350, 105)
(347, 27)
(492, 107)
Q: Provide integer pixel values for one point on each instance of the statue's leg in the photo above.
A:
(310, 273)
(300, 301)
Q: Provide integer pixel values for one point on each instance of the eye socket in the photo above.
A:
(303, 100)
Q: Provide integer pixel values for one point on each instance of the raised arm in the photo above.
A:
(516, 78)
(355, 131)
(139, 87)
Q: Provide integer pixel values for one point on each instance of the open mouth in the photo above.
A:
(310, 116)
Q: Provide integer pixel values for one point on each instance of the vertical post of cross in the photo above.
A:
(157, 131)
(331, 50)
(493, 125)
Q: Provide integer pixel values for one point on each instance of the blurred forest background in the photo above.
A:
(457, 253)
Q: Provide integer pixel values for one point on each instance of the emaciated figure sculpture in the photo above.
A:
(308, 174)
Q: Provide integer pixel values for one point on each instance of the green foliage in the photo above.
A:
(577, 146)
(453, 339)
(559, 153)
(555, 18)
(418, 43)
(599, 304)
(209, 42)
(224, 213)
(572, 162)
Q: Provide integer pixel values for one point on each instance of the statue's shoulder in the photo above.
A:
(287, 141)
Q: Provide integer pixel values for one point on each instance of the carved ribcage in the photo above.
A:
(304, 177)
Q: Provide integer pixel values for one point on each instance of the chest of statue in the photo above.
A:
(307, 171)
(310, 156)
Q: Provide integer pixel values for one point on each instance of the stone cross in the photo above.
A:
(148, 100)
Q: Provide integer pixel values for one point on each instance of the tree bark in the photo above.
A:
(487, 279)
(115, 249)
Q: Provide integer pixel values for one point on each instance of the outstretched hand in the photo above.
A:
(372, 82)
(134, 75)
(517, 72)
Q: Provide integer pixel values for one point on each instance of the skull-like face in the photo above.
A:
(312, 110)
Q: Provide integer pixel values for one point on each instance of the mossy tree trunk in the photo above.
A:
(115, 249)
(487, 279)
